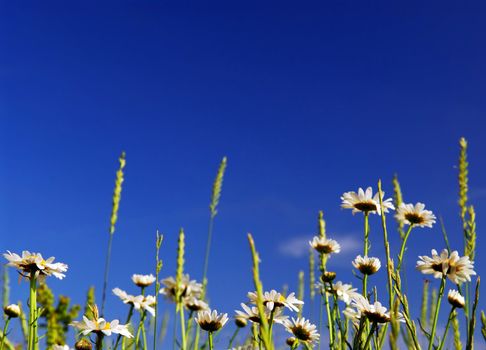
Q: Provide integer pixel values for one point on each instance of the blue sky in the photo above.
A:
(306, 102)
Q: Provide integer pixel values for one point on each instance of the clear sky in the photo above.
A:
(306, 102)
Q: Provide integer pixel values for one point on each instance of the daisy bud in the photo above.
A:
(455, 299)
(290, 341)
(240, 322)
(12, 310)
(83, 344)
(328, 276)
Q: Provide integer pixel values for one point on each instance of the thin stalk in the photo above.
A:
(370, 335)
(451, 316)
(107, 271)
(4, 334)
(366, 234)
(139, 330)
(402, 248)
(329, 318)
(33, 314)
(99, 340)
(183, 328)
(129, 316)
(210, 338)
(436, 315)
(144, 337)
(233, 337)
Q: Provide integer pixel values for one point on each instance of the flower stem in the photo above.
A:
(370, 335)
(210, 337)
(4, 333)
(365, 250)
(451, 316)
(99, 340)
(107, 271)
(233, 337)
(139, 330)
(329, 317)
(436, 315)
(402, 248)
(183, 327)
(130, 313)
(33, 314)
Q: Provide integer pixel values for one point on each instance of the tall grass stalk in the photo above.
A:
(179, 291)
(300, 292)
(113, 219)
(436, 313)
(158, 266)
(472, 322)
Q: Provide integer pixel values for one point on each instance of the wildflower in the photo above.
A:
(375, 312)
(187, 288)
(143, 280)
(415, 215)
(273, 299)
(344, 292)
(211, 321)
(12, 310)
(240, 321)
(324, 245)
(34, 265)
(328, 276)
(457, 269)
(302, 329)
(367, 265)
(352, 314)
(139, 302)
(365, 202)
(60, 347)
(195, 304)
(290, 341)
(99, 325)
(455, 299)
(253, 315)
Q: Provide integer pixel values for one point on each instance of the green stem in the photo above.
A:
(183, 327)
(144, 337)
(139, 331)
(436, 315)
(107, 271)
(370, 335)
(4, 334)
(366, 234)
(402, 248)
(451, 316)
(33, 314)
(118, 338)
(233, 337)
(329, 318)
(99, 340)
(210, 338)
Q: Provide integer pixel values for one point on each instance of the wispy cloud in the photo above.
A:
(297, 247)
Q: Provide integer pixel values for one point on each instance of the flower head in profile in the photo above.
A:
(302, 330)
(60, 347)
(33, 265)
(415, 215)
(374, 312)
(143, 280)
(345, 292)
(188, 288)
(325, 246)
(252, 314)
(274, 299)
(100, 326)
(195, 304)
(352, 314)
(367, 265)
(364, 201)
(139, 302)
(457, 269)
(455, 299)
(211, 321)
(12, 311)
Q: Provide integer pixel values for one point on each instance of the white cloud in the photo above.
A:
(297, 247)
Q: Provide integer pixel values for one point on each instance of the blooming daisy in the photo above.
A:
(367, 265)
(324, 245)
(365, 202)
(188, 288)
(415, 215)
(458, 269)
(100, 326)
(252, 314)
(352, 314)
(139, 302)
(34, 265)
(374, 312)
(211, 321)
(275, 299)
(345, 292)
(195, 304)
(302, 329)
(143, 280)
(60, 347)
(455, 299)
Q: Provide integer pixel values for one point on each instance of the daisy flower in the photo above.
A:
(457, 269)
(195, 304)
(60, 347)
(252, 314)
(367, 265)
(345, 292)
(139, 302)
(188, 288)
(273, 299)
(365, 202)
(302, 329)
(374, 312)
(34, 265)
(415, 215)
(456, 299)
(143, 280)
(211, 321)
(99, 325)
(352, 314)
(12, 311)
(324, 245)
